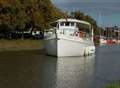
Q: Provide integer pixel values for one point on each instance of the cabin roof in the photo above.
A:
(73, 20)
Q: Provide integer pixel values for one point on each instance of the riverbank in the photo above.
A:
(27, 44)
(114, 85)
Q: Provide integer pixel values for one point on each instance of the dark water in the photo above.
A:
(32, 69)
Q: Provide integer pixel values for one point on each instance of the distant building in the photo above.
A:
(112, 32)
(110, 35)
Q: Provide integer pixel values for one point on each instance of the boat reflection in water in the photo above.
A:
(67, 72)
(75, 72)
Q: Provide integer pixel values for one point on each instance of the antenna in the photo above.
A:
(99, 21)
(65, 14)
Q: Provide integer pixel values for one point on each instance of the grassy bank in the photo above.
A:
(21, 44)
(114, 85)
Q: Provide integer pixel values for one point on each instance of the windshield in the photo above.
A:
(85, 29)
(67, 24)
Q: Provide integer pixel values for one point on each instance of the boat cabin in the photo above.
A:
(73, 27)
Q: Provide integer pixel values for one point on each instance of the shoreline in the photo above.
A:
(20, 49)
(19, 45)
(40, 51)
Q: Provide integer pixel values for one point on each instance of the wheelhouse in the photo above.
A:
(73, 27)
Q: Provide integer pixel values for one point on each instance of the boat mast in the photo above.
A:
(118, 35)
(99, 22)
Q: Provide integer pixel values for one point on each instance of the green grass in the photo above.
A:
(114, 85)
(21, 44)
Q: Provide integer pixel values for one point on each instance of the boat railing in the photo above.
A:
(78, 34)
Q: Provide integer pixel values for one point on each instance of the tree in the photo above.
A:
(15, 14)
(78, 15)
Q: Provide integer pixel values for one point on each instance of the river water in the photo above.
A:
(33, 69)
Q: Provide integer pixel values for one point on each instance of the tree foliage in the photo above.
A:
(15, 14)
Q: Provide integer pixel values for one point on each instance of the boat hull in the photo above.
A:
(64, 47)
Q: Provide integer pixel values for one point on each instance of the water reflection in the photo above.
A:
(107, 63)
(75, 72)
(27, 69)
(31, 69)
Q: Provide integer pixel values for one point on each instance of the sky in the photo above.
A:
(105, 12)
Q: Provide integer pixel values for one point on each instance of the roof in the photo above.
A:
(73, 20)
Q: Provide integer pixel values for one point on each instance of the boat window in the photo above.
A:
(72, 23)
(84, 28)
(67, 23)
(62, 24)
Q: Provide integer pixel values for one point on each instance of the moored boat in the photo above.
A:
(69, 37)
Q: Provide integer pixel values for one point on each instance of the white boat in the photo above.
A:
(69, 37)
(103, 40)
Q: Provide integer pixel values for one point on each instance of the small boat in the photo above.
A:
(103, 40)
(69, 37)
